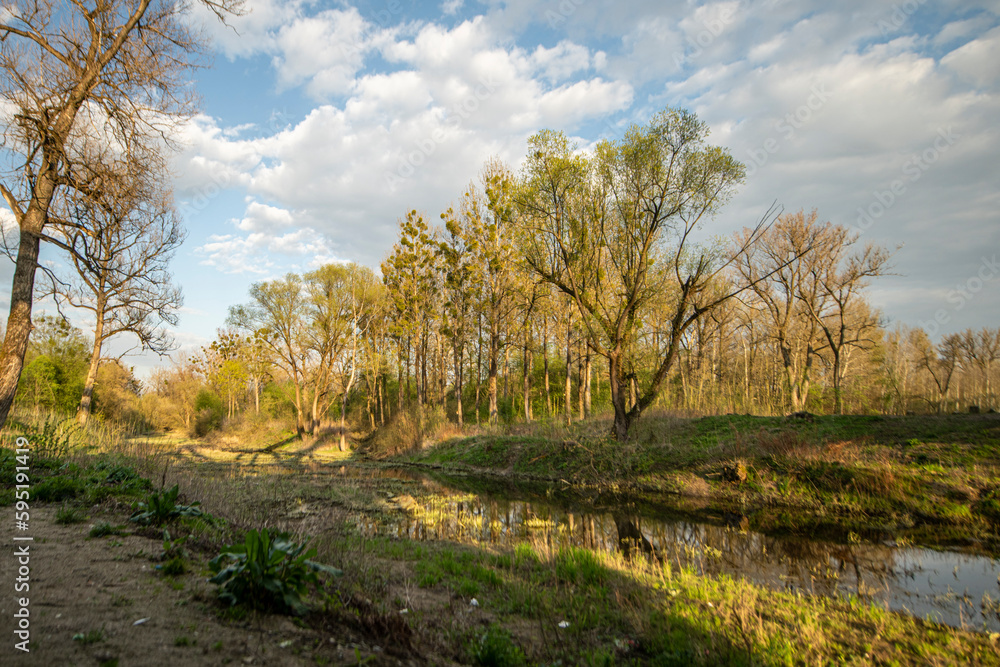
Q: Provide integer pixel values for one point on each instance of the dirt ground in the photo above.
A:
(101, 601)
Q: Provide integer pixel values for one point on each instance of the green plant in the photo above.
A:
(67, 515)
(267, 570)
(159, 508)
(495, 648)
(57, 488)
(54, 437)
(103, 529)
(174, 554)
(89, 637)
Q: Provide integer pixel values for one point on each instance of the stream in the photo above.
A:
(950, 587)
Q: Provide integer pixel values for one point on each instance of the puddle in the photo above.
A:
(958, 589)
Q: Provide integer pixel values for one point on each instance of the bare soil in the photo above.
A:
(102, 601)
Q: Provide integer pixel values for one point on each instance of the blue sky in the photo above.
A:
(323, 122)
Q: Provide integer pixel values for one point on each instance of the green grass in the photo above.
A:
(844, 472)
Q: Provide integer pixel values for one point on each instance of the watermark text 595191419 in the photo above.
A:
(22, 546)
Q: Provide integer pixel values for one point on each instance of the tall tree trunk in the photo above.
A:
(587, 370)
(545, 362)
(83, 412)
(569, 370)
(15, 343)
(494, 363)
(838, 402)
(526, 363)
(618, 396)
(458, 381)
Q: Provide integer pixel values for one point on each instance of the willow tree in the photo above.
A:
(86, 86)
(612, 230)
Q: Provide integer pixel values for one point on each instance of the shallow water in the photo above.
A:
(950, 587)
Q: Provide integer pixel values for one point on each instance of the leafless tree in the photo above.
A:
(120, 250)
(89, 87)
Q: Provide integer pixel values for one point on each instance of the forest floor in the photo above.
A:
(403, 601)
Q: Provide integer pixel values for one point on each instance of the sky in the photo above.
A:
(322, 123)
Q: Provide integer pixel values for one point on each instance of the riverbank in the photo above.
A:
(409, 601)
(932, 480)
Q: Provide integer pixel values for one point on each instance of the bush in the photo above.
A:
(267, 571)
(209, 412)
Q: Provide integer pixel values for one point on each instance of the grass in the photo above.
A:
(939, 475)
(539, 603)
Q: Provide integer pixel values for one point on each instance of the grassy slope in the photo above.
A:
(936, 477)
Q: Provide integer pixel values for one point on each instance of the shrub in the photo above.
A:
(267, 571)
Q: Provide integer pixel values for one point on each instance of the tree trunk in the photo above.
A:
(838, 404)
(494, 363)
(15, 343)
(587, 370)
(569, 370)
(526, 363)
(458, 383)
(618, 397)
(545, 361)
(83, 412)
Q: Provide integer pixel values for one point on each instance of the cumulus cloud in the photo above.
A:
(826, 106)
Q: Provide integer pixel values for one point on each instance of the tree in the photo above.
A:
(121, 272)
(981, 349)
(277, 313)
(844, 319)
(612, 232)
(94, 87)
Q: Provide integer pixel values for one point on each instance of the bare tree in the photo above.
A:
(92, 86)
(120, 250)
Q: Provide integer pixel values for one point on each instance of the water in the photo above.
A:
(949, 587)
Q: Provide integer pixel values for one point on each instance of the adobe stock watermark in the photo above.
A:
(712, 28)
(22, 547)
(455, 118)
(963, 294)
(913, 169)
(565, 9)
(203, 196)
(901, 12)
(787, 126)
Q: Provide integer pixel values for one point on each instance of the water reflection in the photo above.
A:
(948, 587)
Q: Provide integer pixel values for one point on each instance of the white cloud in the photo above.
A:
(450, 7)
(825, 110)
(978, 61)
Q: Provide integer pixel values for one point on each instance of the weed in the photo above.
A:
(496, 648)
(89, 637)
(68, 515)
(57, 488)
(267, 570)
(160, 508)
(104, 529)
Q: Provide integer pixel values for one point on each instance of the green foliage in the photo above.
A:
(89, 637)
(103, 529)
(57, 489)
(53, 439)
(496, 648)
(68, 515)
(160, 508)
(209, 412)
(55, 365)
(267, 571)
